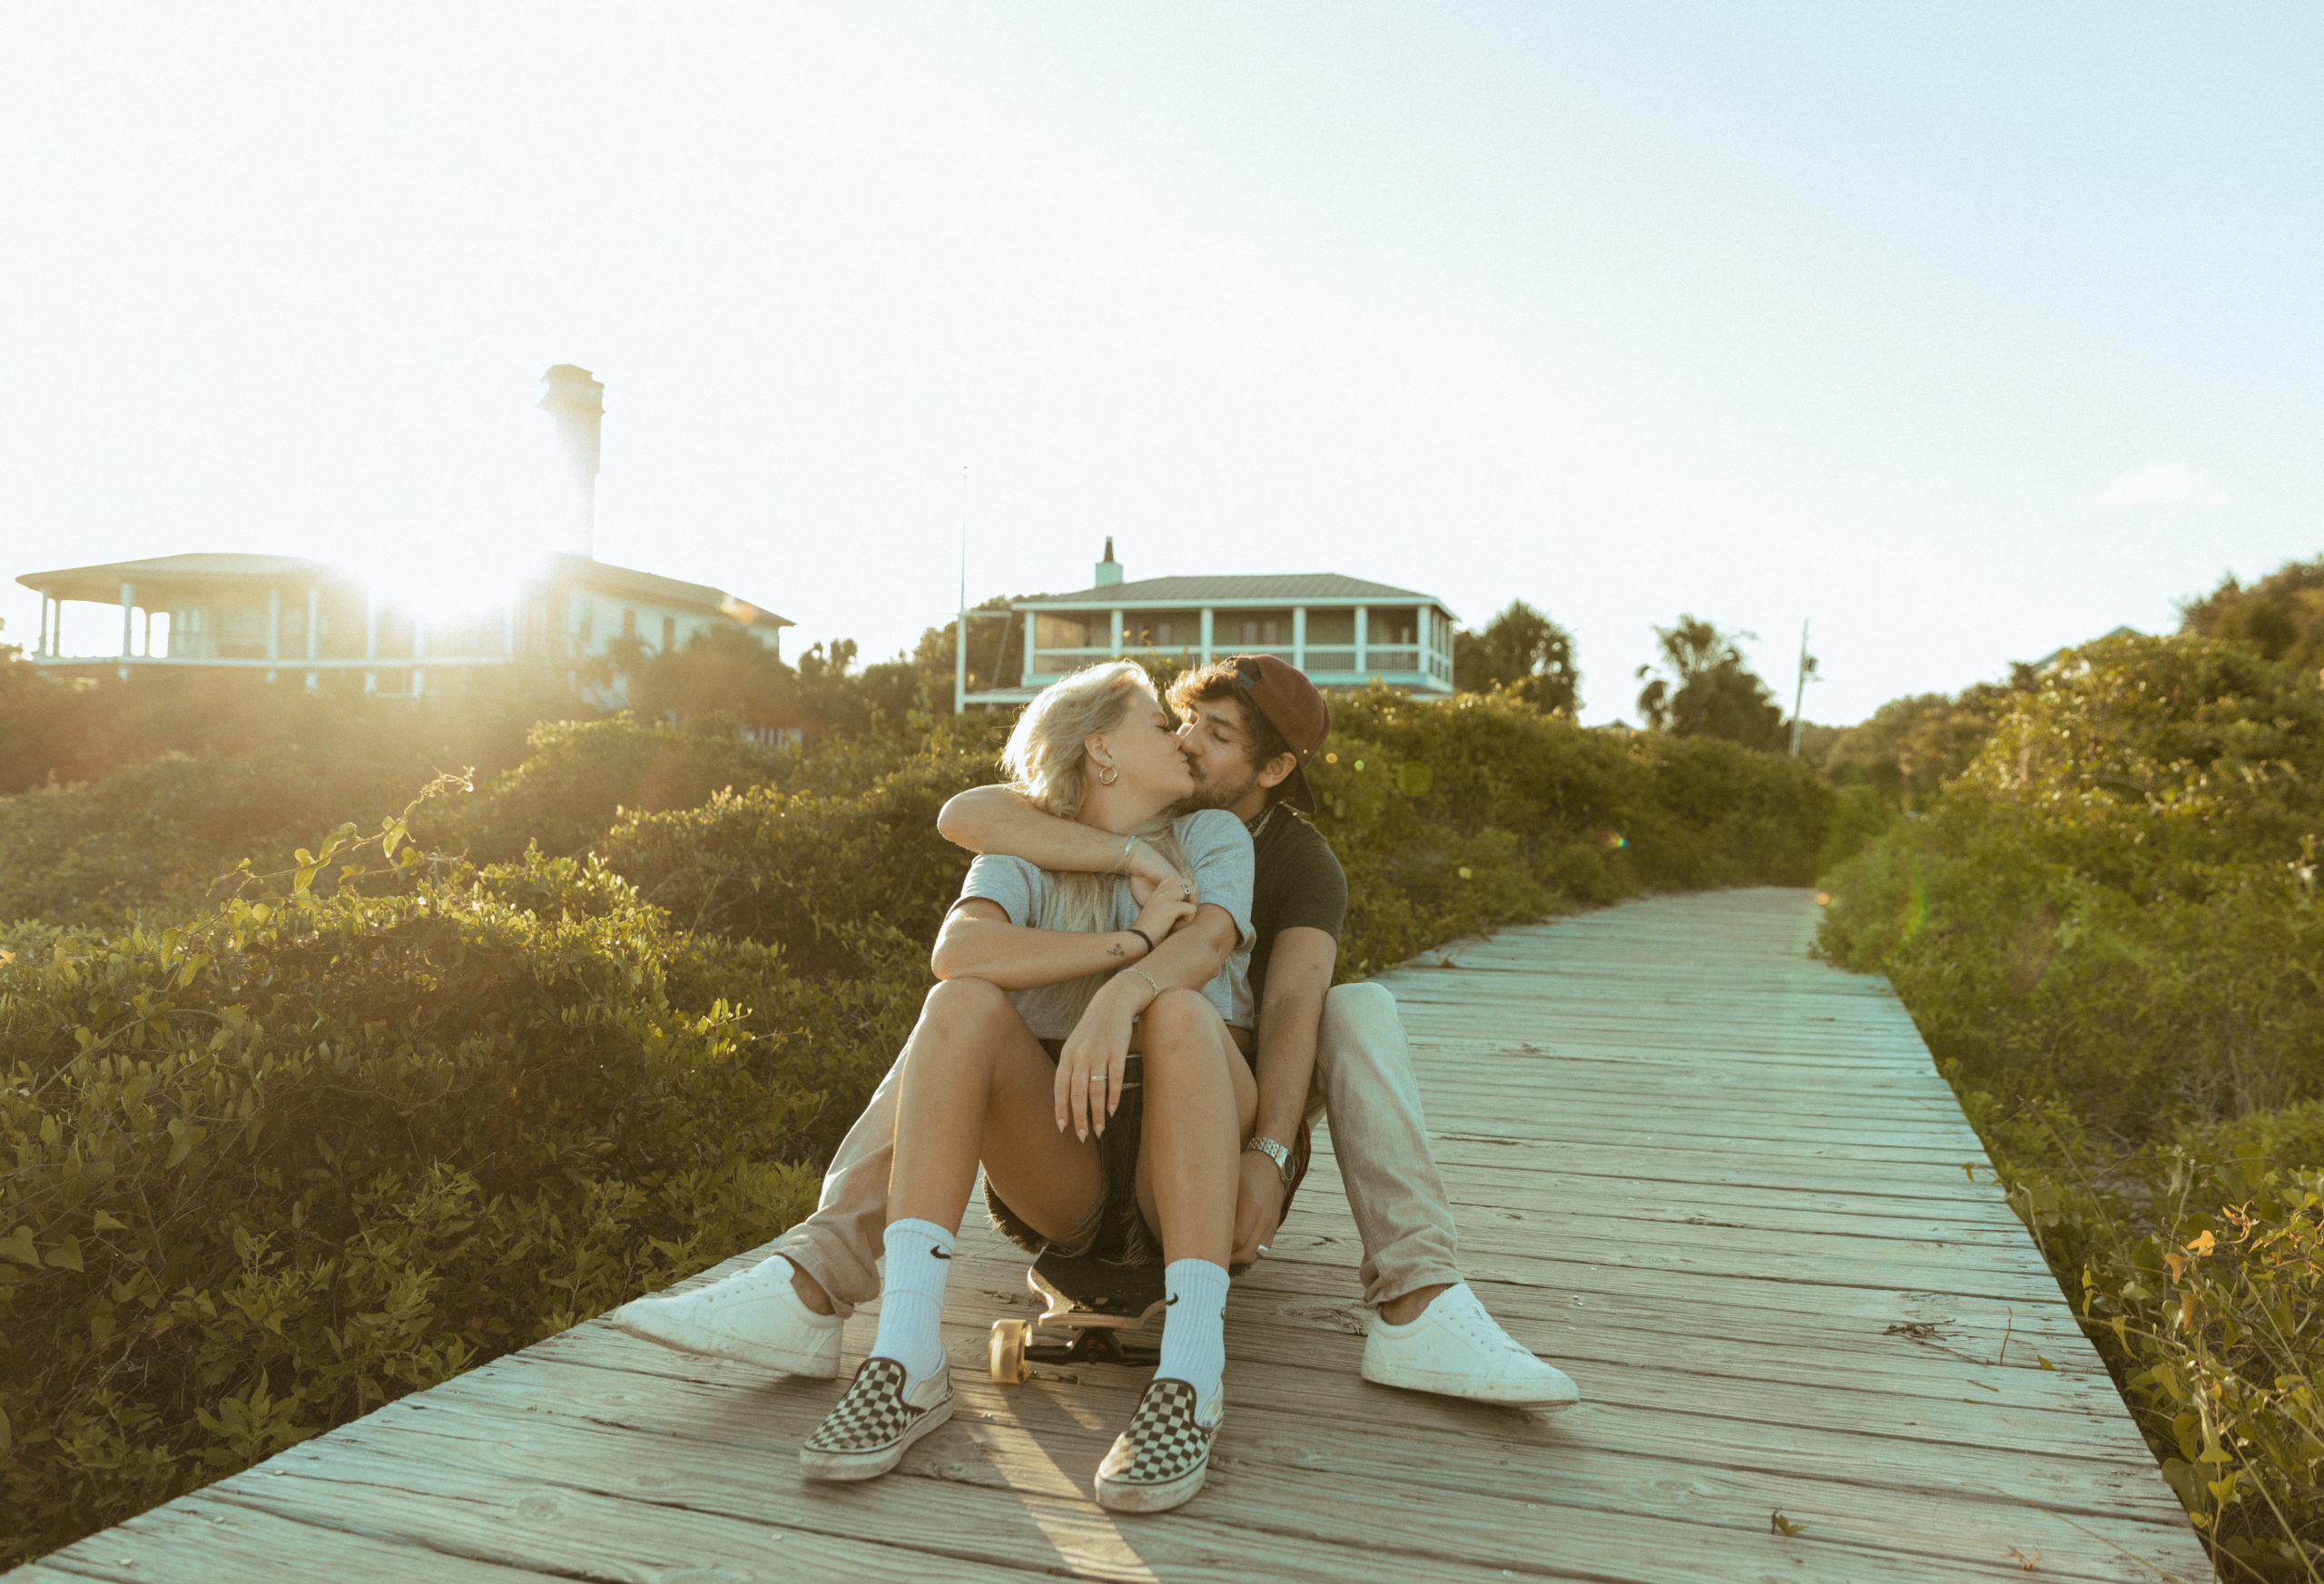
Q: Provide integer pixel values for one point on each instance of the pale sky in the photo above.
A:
(1965, 331)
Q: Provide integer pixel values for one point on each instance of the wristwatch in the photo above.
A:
(1276, 1153)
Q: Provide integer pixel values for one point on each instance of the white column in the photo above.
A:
(1363, 632)
(40, 644)
(1299, 636)
(1116, 619)
(1206, 644)
(128, 610)
(273, 629)
(145, 641)
(1027, 679)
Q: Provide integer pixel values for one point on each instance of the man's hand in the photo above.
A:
(1258, 1206)
(1150, 872)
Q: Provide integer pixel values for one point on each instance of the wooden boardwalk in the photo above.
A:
(1717, 1182)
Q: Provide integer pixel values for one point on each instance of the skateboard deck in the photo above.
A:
(1083, 1291)
(1093, 1305)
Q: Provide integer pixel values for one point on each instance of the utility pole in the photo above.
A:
(961, 625)
(1799, 693)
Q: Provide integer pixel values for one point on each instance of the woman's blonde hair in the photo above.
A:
(1046, 762)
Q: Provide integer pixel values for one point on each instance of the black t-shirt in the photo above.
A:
(1297, 883)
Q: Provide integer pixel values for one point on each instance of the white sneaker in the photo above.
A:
(1456, 1349)
(755, 1315)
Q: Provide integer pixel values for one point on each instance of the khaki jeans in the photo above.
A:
(1364, 1085)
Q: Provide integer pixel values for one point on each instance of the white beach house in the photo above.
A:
(1343, 632)
(284, 615)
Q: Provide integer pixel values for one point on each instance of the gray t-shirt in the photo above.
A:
(1218, 850)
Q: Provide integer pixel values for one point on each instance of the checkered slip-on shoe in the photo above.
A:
(867, 1430)
(1159, 1461)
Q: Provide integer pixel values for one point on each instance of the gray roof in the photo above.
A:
(599, 575)
(1289, 588)
(102, 583)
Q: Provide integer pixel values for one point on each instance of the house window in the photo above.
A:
(1391, 641)
(1258, 629)
(1060, 632)
(1393, 626)
(1331, 640)
(669, 633)
(1161, 629)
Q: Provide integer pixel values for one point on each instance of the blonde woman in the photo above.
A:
(1022, 1061)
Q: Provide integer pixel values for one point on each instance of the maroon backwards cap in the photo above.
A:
(1294, 707)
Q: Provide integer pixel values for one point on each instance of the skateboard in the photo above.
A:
(1096, 1301)
(1099, 1304)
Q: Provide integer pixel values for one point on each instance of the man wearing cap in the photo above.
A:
(1251, 723)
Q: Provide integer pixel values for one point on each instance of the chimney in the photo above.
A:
(1109, 570)
(575, 402)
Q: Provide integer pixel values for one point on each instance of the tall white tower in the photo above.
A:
(575, 402)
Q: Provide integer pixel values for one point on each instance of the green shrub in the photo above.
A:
(829, 872)
(1456, 817)
(2106, 929)
(580, 776)
(55, 730)
(154, 836)
(280, 1165)
(2113, 906)
(2198, 1268)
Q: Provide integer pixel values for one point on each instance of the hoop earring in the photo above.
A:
(1107, 775)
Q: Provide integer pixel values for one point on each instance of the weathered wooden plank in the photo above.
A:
(1271, 1485)
(205, 1539)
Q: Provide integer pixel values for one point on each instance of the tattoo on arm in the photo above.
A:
(1116, 950)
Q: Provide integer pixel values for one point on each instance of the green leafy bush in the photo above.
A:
(2107, 929)
(829, 867)
(154, 836)
(278, 1165)
(1455, 817)
(2281, 616)
(581, 775)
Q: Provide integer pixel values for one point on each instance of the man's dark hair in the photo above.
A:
(1220, 681)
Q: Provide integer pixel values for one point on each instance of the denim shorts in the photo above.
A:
(1114, 1229)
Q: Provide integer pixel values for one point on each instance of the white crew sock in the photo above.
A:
(1194, 1328)
(911, 1300)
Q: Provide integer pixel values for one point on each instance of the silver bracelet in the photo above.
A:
(1121, 864)
(1149, 979)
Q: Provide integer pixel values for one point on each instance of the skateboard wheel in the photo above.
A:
(1006, 1352)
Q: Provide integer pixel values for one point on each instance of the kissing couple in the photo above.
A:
(1134, 1028)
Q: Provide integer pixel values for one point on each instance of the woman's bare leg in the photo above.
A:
(1200, 1102)
(977, 1086)
(1200, 1099)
